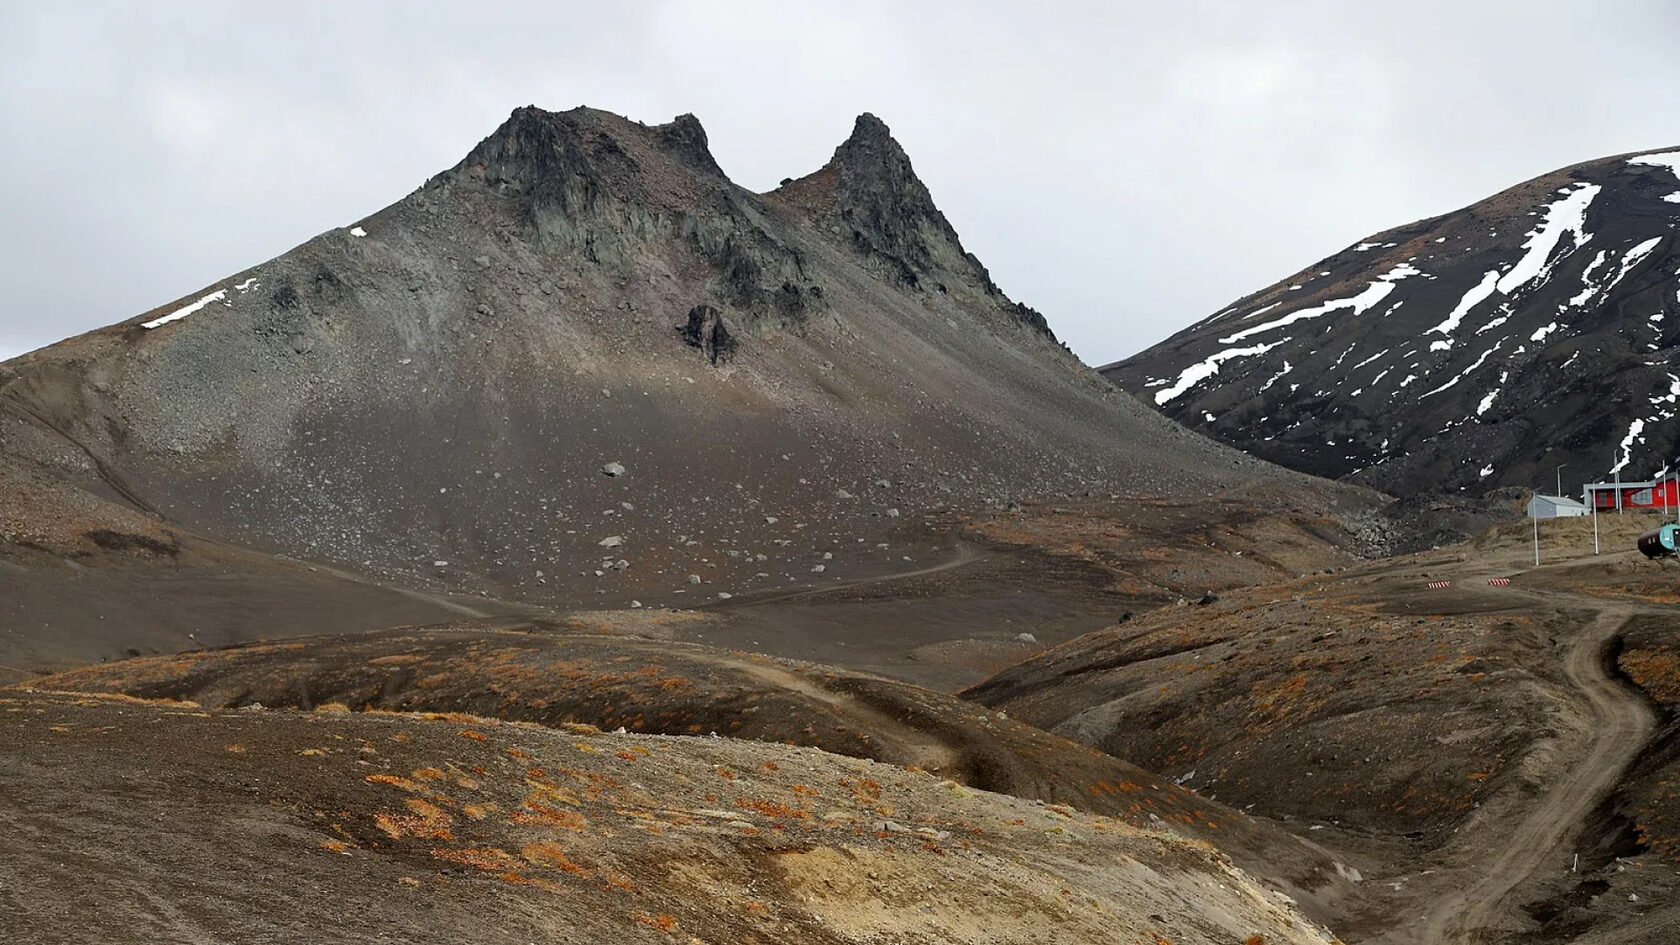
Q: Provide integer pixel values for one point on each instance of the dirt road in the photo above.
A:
(1616, 722)
(963, 554)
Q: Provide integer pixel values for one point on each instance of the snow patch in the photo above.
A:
(1635, 433)
(1259, 311)
(1209, 366)
(1486, 471)
(1359, 304)
(1568, 215)
(1462, 374)
(1476, 295)
(184, 311)
(1371, 358)
(1668, 159)
(1541, 332)
(1588, 289)
(1493, 324)
(1287, 367)
(1634, 257)
(357, 231)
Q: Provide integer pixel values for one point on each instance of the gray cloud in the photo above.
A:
(1124, 167)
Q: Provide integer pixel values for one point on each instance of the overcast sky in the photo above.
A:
(1124, 167)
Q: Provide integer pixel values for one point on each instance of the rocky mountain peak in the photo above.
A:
(877, 192)
(684, 139)
(561, 160)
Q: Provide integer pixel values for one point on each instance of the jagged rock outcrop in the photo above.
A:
(707, 331)
(1471, 351)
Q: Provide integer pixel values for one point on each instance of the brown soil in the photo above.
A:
(287, 826)
(554, 678)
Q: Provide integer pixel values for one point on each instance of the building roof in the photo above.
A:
(1562, 502)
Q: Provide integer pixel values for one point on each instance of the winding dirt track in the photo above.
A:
(1617, 721)
(963, 554)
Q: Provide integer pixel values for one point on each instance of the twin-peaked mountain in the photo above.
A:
(1474, 350)
(433, 392)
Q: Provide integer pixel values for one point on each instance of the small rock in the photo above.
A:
(611, 541)
(1207, 599)
(724, 595)
(613, 469)
(482, 261)
(818, 569)
(843, 494)
(440, 564)
(694, 579)
(1026, 638)
(892, 513)
(620, 564)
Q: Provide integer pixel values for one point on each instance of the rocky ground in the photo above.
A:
(555, 678)
(1425, 735)
(284, 826)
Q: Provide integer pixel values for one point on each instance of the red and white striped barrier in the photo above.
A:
(1499, 582)
(1439, 585)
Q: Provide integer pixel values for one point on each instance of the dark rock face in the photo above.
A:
(890, 211)
(870, 196)
(707, 331)
(1472, 351)
(684, 139)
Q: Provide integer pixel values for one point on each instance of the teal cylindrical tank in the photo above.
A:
(1660, 542)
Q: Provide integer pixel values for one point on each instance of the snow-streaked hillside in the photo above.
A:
(1478, 349)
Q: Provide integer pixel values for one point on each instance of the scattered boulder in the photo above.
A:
(707, 330)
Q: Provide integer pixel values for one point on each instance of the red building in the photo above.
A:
(1661, 493)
